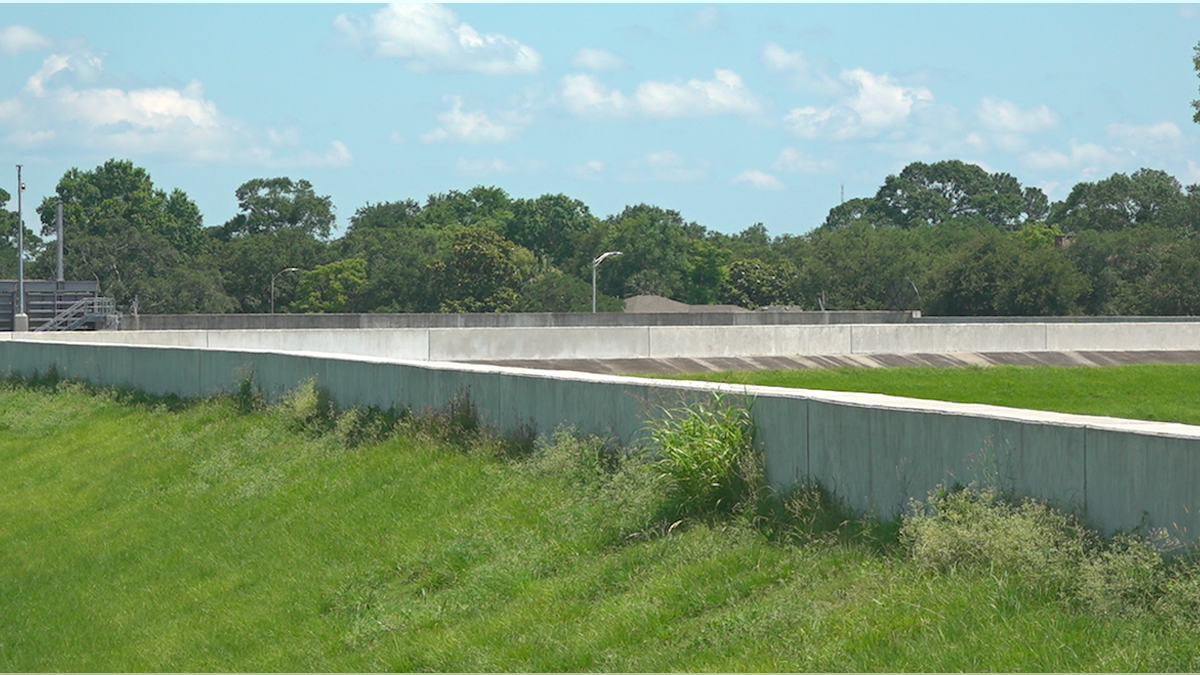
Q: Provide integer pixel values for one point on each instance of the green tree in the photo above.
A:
(1119, 202)
(483, 273)
(998, 275)
(486, 207)
(554, 291)
(753, 283)
(1196, 67)
(930, 194)
(330, 287)
(551, 226)
(248, 263)
(136, 240)
(269, 204)
(398, 248)
(663, 255)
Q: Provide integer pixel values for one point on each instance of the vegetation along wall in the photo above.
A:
(874, 451)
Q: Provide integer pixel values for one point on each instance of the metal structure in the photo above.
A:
(20, 321)
(56, 305)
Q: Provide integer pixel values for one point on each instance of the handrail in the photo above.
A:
(79, 313)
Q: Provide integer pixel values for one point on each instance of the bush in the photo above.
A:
(308, 409)
(705, 452)
(978, 529)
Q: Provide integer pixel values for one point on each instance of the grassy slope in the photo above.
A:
(1168, 393)
(134, 538)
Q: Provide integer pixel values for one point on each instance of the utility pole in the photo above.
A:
(20, 319)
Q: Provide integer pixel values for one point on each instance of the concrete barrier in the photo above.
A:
(874, 451)
(626, 342)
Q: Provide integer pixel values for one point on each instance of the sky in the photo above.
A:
(731, 114)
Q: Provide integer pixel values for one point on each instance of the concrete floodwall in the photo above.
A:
(628, 342)
(874, 451)
(505, 320)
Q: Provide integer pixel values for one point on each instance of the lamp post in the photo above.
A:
(276, 276)
(596, 263)
(21, 319)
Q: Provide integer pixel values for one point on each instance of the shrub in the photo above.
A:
(308, 409)
(705, 451)
(978, 529)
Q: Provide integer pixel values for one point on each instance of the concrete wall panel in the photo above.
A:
(1139, 479)
(943, 338)
(1123, 336)
(667, 342)
(493, 344)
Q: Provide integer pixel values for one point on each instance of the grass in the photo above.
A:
(1165, 393)
(212, 535)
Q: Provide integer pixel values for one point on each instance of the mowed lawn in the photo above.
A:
(1165, 393)
(195, 537)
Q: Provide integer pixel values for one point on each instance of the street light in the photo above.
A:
(276, 276)
(595, 264)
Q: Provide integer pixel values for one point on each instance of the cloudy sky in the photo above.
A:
(732, 114)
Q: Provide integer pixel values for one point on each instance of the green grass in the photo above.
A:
(1165, 393)
(197, 537)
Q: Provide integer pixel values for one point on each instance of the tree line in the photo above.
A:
(947, 237)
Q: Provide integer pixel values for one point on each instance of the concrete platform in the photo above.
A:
(951, 360)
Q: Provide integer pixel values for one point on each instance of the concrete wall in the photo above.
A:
(874, 451)
(612, 342)
(503, 320)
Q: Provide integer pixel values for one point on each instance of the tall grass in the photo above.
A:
(210, 535)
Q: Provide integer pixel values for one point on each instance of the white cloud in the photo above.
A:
(877, 104)
(431, 37)
(725, 93)
(759, 179)
(1087, 156)
(60, 105)
(1006, 117)
(802, 70)
(665, 165)
(880, 102)
(596, 60)
(289, 135)
(469, 127)
(16, 39)
(1160, 138)
(482, 166)
(590, 169)
(794, 161)
(706, 18)
(584, 95)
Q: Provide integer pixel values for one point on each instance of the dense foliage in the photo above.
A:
(947, 237)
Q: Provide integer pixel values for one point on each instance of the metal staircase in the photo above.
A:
(84, 310)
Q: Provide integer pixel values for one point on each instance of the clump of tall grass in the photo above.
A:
(1046, 551)
(706, 456)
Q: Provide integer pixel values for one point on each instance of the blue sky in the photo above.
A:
(732, 114)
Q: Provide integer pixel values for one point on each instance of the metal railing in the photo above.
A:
(84, 310)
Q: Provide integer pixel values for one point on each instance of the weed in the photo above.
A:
(705, 452)
(248, 396)
(365, 425)
(308, 409)
(975, 528)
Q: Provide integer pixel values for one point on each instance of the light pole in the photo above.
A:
(21, 319)
(596, 263)
(276, 276)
